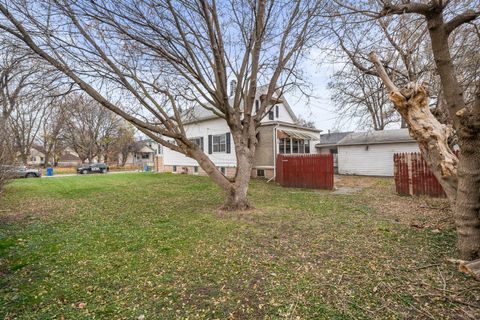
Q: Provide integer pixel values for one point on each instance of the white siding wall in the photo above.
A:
(203, 129)
(283, 115)
(376, 161)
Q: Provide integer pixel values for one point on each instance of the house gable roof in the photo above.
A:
(142, 146)
(377, 137)
(199, 113)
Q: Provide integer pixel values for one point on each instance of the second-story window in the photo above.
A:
(270, 115)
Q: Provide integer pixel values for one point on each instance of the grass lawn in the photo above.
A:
(155, 246)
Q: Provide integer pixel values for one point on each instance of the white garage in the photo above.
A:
(371, 153)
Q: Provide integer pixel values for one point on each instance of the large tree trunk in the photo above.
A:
(235, 189)
(236, 194)
(467, 210)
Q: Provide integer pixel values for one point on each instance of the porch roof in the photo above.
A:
(296, 134)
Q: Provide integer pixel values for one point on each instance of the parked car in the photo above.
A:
(92, 168)
(20, 171)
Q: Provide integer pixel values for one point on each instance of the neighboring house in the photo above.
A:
(143, 153)
(371, 153)
(37, 156)
(278, 133)
(328, 145)
(68, 160)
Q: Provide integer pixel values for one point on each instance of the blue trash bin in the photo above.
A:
(146, 168)
(49, 171)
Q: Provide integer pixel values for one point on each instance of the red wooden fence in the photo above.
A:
(305, 171)
(413, 177)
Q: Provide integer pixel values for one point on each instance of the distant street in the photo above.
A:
(76, 174)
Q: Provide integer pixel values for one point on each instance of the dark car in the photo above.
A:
(20, 171)
(92, 168)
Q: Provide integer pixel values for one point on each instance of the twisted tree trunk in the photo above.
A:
(459, 177)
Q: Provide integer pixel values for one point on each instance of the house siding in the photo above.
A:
(376, 161)
(264, 150)
(203, 129)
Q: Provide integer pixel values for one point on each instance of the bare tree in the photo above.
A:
(26, 87)
(88, 126)
(161, 56)
(6, 156)
(447, 24)
(361, 98)
(124, 143)
(52, 128)
(25, 123)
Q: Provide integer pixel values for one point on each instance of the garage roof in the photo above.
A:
(377, 137)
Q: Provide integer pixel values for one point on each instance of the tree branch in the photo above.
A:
(457, 21)
(382, 73)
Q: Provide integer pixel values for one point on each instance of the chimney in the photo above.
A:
(233, 85)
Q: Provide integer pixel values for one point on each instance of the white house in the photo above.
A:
(278, 133)
(371, 153)
(142, 153)
(37, 156)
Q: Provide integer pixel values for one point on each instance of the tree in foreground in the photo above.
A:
(161, 57)
(460, 88)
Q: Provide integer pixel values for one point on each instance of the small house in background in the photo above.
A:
(328, 145)
(143, 153)
(371, 153)
(37, 156)
(69, 159)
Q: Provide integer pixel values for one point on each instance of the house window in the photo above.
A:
(295, 144)
(260, 173)
(257, 106)
(277, 111)
(32, 159)
(270, 115)
(222, 170)
(198, 141)
(174, 169)
(145, 156)
(298, 146)
(301, 146)
(219, 143)
(195, 169)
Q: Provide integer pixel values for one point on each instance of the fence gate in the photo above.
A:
(413, 176)
(313, 171)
